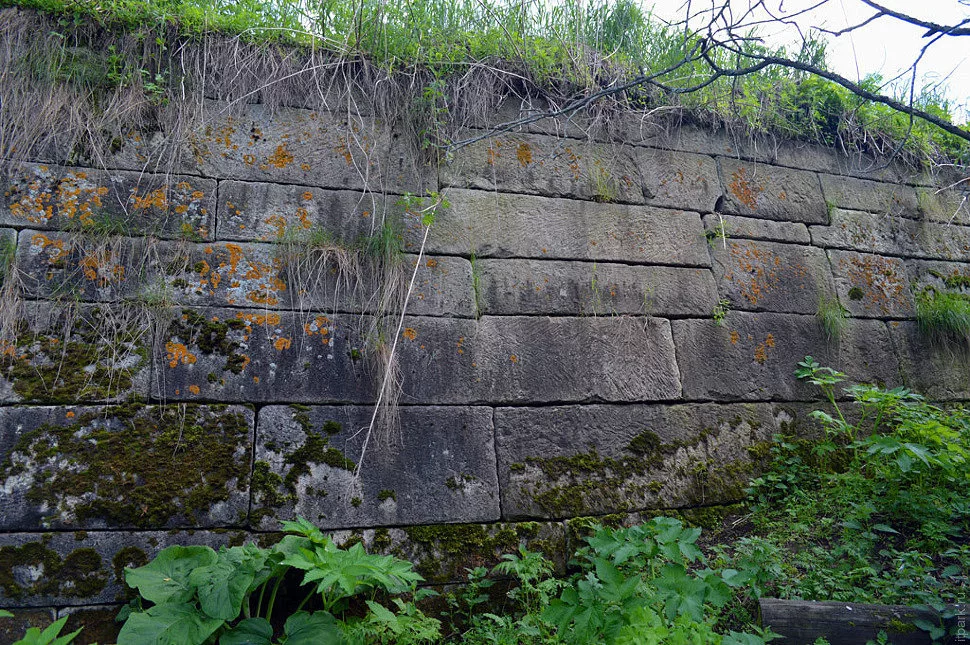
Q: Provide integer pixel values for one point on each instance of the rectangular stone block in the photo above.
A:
(112, 202)
(717, 227)
(938, 367)
(499, 225)
(85, 267)
(872, 286)
(858, 231)
(259, 355)
(945, 205)
(771, 192)
(754, 356)
(541, 165)
(81, 568)
(521, 287)
(869, 196)
(265, 212)
(678, 179)
(767, 276)
(311, 276)
(567, 461)
(125, 466)
(432, 464)
(77, 353)
(253, 142)
(518, 359)
(934, 241)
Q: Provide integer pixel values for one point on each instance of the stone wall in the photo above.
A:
(596, 327)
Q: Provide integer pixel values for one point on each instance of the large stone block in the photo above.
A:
(766, 276)
(312, 276)
(431, 464)
(565, 461)
(772, 192)
(872, 286)
(934, 241)
(260, 355)
(109, 202)
(517, 359)
(717, 227)
(499, 225)
(858, 231)
(869, 196)
(540, 165)
(83, 568)
(520, 287)
(754, 356)
(253, 142)
(249, 211)
(81, 266)
(933, 364)
(125, 466)
(947, 205)
(76, 353)
(678, 179)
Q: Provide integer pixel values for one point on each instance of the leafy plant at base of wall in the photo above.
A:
(199, 595)
(876, 510)
(832, 316)
(51, 635)
(944, 315)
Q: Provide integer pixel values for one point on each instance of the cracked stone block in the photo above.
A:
(428, 464)
(522, 226)
(767, 276)
(872, 286)
(510, 287)
(772, 192)
(754, 356)
(124, 466)
(115, 202)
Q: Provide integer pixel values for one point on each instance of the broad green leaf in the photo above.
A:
(318, 628)
(251, 631)
(166, 578)
(5, 614)
(223, 585)
(168, 624)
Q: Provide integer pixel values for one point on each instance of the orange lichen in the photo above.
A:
(524, 154)
(194, 389)
(742, 188)
(282, 343)
(881, 280)
(735, 337)
(281, 157)
(70, 414)
(432, 263)
(45, 243)
(514, 358)
(178, 353)
(153, 199)
(409, 333)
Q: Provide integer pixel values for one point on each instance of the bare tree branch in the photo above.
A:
(931, 27)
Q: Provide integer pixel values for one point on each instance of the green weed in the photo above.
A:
(944, 315)
(832, 316)
(720, 312)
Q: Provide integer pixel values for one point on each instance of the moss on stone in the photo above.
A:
(34, 569)
(386, 494)
(134, 465)
(212, 337)
(444, 551)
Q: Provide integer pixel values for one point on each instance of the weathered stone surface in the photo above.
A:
(115, 202)
(249, 211)
(76, 353)
(520, 359)
(312, 277)
(943, 276)
(81, 568)
(127, 466)
(934, 241)
(98, 623)
(540, 165)
(498, 225)
(754, 356)
(566, 461)
(772, 192)
(716, 227)
(436, 464)
(858, 231)
(259, 355)
(85, 267)
(678, 179)
(936, 366)
(251, 142)
(947, 205)
(869, 196)
(519, 287)
(766, 276)
(872, 286)
(13, 629)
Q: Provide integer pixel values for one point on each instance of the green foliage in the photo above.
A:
(720, 311)
(832, 316)
(944, 315)
(51, 635)
(198, 595)
(876, 510)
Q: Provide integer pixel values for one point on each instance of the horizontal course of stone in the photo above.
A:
(602, 320)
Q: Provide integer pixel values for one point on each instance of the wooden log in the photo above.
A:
(843, 623)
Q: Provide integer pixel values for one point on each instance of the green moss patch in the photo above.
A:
(212, 337)
(134, 465)
(34, 569)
